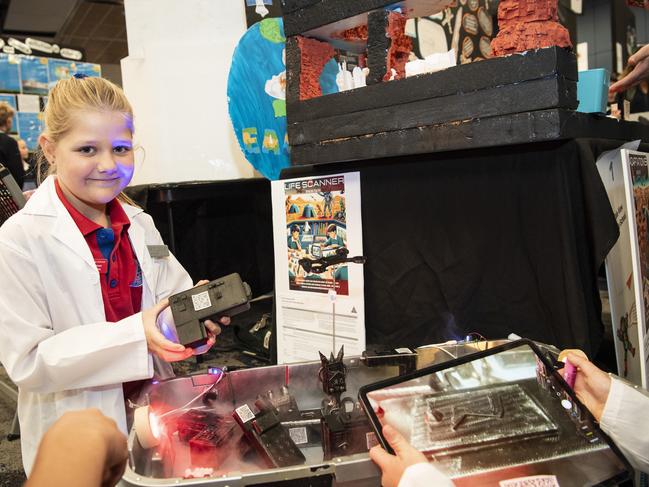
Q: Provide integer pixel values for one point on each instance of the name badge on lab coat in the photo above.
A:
(158, 251)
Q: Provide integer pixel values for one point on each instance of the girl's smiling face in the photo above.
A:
(93, 160)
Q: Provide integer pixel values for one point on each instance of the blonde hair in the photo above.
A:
(76, 94)
(6, 112)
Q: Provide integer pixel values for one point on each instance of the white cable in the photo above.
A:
(443, 350)
(207, 388)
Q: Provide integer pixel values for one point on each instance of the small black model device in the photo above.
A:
(226, 296)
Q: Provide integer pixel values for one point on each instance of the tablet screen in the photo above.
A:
(499, 414)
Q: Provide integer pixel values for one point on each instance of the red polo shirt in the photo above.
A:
(119, 270)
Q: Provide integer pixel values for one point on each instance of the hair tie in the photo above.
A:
(80, 75)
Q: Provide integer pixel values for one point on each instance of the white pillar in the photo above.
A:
(176, 79)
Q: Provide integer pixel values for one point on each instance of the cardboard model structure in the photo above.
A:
(528, 24)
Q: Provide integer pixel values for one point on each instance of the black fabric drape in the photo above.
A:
(493, 241)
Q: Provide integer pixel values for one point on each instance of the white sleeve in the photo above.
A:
(41, 360)
(424, 475)
(626, 421)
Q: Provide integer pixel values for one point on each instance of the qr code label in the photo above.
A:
(245, 413)
(201, 301)
(371, 440)
(298, 435)
(534, 481)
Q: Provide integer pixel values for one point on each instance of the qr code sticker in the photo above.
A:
(298, 435)
(371, 440)
(245, 413)
(201, 301)
(534, 481)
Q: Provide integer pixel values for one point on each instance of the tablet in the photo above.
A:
(495, 417)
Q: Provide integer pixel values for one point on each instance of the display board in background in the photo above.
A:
(626, 177)
(34, 75)
(62, 69)
(24, 82)
(10, 73)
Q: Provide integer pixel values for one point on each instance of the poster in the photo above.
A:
(30, 126)
(10, 99)
(29, 103)
(89, 69)
(9, 73)
(637, 167)
(624, 174)
(59, 69)
(317, 221)
(34, 75)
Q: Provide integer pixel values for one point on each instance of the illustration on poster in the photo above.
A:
(316, 227)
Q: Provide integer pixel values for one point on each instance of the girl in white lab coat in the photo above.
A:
(72, 331)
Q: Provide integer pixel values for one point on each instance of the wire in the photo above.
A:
(443, 350)
(475, 333)
(202, 393)
(262, 297)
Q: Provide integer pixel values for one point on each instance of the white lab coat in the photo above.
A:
(56, 344)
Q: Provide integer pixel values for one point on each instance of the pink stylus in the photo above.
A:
(570, 374)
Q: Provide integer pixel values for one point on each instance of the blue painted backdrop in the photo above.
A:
(256, 97)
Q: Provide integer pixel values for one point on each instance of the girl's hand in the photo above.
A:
(591, 385)
(393, 466)
(155, 340)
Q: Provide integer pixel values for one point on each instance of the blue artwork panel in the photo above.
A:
(34, 75)
(30, 126)
(10, 99)
(62, 69)
(257, 97)
(9, 73)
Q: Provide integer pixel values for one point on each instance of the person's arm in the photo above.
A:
(626, 421)
(39, 358)
(641, 71)
(409, 467)
(619, 407)
(82, 449)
